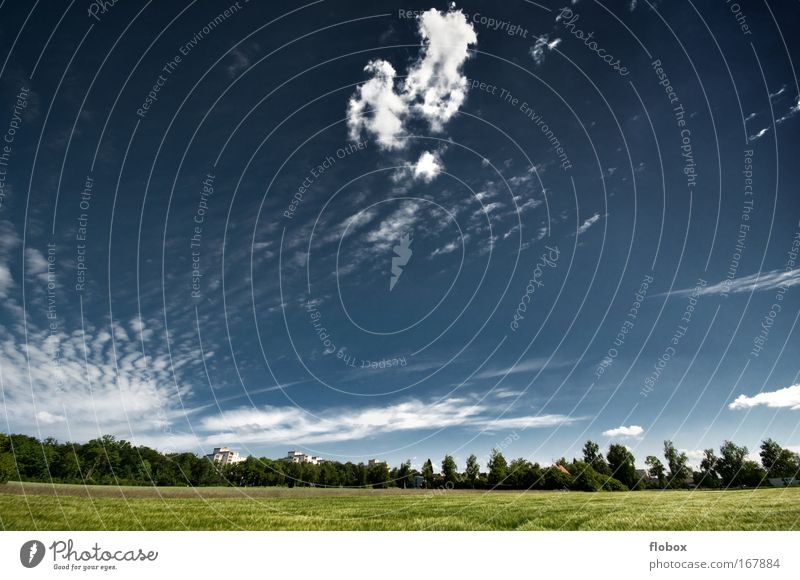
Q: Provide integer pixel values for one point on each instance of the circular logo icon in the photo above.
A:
(31, 553)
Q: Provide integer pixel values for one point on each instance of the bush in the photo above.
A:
(7, 467)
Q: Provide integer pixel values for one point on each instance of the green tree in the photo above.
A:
(427, 473)
(404, 474)
(709, 477)
(677, 462)
(449, 469)
(656, 470)
(473, 470)
(498, 467)
(777, 461)
(730, 463)
(621, 462)
(593, 456)
(378, 475)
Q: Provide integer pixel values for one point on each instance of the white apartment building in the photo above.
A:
(225, 456)
(300, 457)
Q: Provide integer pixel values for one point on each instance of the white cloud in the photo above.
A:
(6, 280)
(587, 224)
(434, 88)
(541, 46)
(791, 113)
(427, 167)
(771, 280)
(528, 366)
(377, 109)
(435, 84)
(782, 398)
(623, 431)
(295, 425)
(760, 134)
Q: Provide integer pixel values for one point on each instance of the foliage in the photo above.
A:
(449, 469)
(656, 470)
(678, 465)
(621, 462)
(498, 468)
(472, 470)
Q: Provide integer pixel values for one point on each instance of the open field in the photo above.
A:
(75, 507)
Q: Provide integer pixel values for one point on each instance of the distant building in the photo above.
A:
(225, 456)
(783, 482)
(374, 462)
(300, 457)
(418, 481)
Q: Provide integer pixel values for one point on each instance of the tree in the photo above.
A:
(498, 467)
(404, 474)
(677, 462)
(449, 469)
(708, 469)
(593, 456)
(730, 463)
(621, 462)
(656, 470)
(378, 475)
(473, 470)
(427, 473)
(777, 461)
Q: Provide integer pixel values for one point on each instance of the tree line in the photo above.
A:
(108, 460)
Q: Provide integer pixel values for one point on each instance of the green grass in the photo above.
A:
(72, 507)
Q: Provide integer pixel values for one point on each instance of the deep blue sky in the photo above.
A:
(260, 99)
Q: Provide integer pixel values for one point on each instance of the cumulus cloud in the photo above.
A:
(427, 167)
(376, 109)
(623, 431)
(433, 90)
(782, 398)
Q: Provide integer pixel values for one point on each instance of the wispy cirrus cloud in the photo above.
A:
(759, 282)
(528, 366)
(298, 426)
(788, 397)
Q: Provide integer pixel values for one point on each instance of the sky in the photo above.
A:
(397, 230)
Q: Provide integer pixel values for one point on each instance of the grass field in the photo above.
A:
(32, 506)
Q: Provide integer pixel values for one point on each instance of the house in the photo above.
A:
(418, 481)
(225, 456)
(300, 457)
(375, 462)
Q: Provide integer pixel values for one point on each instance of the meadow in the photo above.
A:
(38, 506)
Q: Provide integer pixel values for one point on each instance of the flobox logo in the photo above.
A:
(402, 256)
(31, 553)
